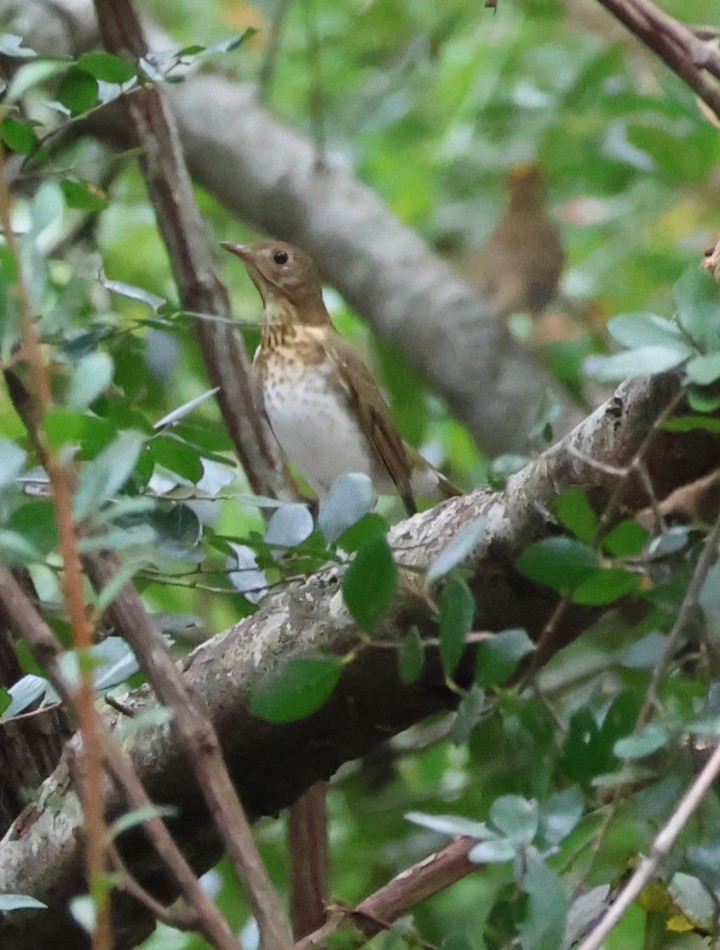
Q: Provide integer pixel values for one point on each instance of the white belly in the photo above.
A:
(316, 432)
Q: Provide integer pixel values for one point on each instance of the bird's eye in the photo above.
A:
(280, 257)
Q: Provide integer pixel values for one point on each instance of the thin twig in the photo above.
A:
(667, 39)
(200, 743)
(267, 70)
(316, 92)
(25, 622)
(661, 846)
(708, 557)
(61, 483)
(381, 909)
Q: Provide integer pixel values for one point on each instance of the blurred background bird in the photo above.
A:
(519, 266)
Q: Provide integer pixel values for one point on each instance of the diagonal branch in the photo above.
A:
(152, 127)
(674, 43)
(272, 764)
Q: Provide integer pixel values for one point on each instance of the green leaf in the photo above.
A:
(560, 815)
(106, 474)
(298, 688)
(83, 195)
(370, 582)
(574, 513)
(698, 310)
(451, 825)
(457, 612)
(458, 941)
(84, 912)
(16, 549)
(19, 136)
(114, 662)
(693, 898)
(35, 522)
(63, 426)
(561, 563)
(644, 361)
(78, 91)
(369, 526)
(516, 817)
(499, 656)
(544, 924)
(606, 586)
(136, 817)
(244, 573)
(289, 526)
(177, 414)
(626, 539)
(652, 738)
(12, 45)
(177, 456)
(704, 370)
(131, 292)
(24, 693)
(645, 653)
(634, 330)
(350, 498)
(469, 712)
(12, 462)
(411, 657)
(688, 423)
(11, 902)
(91, 377)
(457, 549)
(703, 400)
(178, 529)
(107, 67)
(493, 851)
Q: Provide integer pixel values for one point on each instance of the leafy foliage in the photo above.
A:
(430, 103)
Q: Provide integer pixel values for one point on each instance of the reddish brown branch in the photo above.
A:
(61, 484)
(381, 909)
(200, 743)
(186, 238)
(674, 43)
(309, 860)
(25, 623)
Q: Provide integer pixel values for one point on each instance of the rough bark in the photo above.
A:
(273, 764)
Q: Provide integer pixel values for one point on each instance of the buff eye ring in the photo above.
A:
(281, 257)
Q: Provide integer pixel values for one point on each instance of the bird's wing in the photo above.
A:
(256, 385)
(374, 415)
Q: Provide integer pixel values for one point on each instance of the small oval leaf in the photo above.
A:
(457, 549)
(297, 689)
(370, 582)
(289, 526)
(351, 496)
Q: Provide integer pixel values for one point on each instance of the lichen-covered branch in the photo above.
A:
(273, 764)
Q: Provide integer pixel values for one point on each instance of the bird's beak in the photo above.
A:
(239, 250)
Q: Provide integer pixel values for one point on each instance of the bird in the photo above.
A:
(519, 266)
(321, 401)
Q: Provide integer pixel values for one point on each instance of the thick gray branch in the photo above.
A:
(268, 174)
(273, 764)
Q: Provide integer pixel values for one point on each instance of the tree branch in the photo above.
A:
(674, 43)
(272, 764)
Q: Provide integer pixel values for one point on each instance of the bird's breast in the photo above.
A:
(313, 421)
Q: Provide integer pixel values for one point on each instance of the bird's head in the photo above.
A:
(283, 274)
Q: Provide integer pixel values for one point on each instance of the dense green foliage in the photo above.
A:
(430, 103)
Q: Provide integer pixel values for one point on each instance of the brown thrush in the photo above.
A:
(519, 266)
(321, 401)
